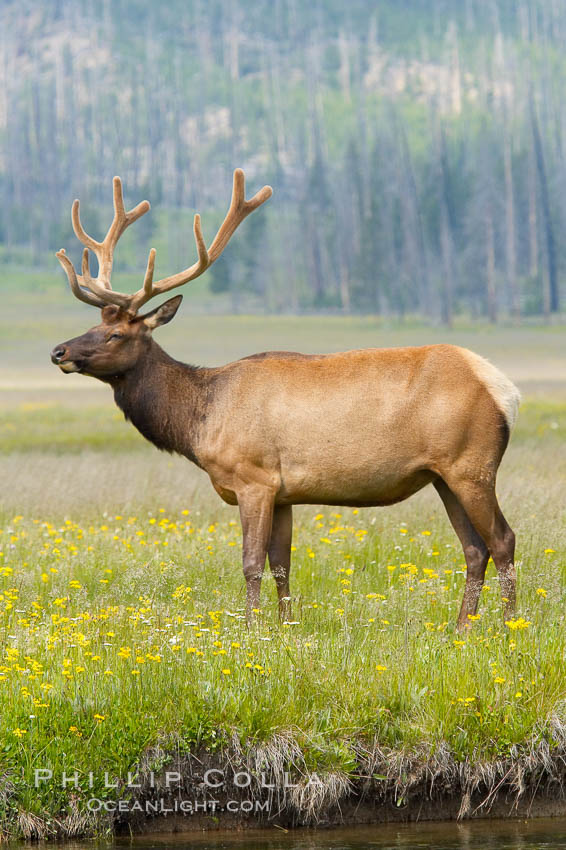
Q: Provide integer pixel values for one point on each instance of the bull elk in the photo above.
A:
(358, 428)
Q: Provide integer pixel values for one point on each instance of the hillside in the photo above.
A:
(416, 148)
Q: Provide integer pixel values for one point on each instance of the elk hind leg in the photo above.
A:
(475, 552)
(480, 503)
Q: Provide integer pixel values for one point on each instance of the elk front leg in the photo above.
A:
(279, 552)
(256, 514)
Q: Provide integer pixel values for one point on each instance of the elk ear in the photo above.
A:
(162, 314)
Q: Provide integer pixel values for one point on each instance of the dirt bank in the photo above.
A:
(271, 785)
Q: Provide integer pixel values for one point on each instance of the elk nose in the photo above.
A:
(58, 353)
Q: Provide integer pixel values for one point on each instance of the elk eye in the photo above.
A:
(115, 336)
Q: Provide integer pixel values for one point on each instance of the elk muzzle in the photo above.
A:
(58, 357)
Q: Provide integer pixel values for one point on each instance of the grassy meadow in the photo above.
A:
(122, 596)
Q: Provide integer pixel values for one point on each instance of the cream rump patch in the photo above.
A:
(503, 391)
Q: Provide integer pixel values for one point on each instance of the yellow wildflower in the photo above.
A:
(517, 624)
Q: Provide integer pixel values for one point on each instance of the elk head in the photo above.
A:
(116, 344)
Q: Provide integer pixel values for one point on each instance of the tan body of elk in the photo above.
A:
(359, 428)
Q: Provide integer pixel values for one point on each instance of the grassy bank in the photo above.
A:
(122, 629)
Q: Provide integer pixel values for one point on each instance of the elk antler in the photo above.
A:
(99, 292)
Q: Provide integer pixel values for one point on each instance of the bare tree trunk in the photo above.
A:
(490, 265)
(416, 225)
(316, 260)
(447, 267)
(445, 232)
(550, 245)
(276, 106)
(533, 224)
(232, 43)
(317, 136)
(291, 267)
(453, 62)
(344, 288)
(344, 72)
(546, 300)
(510, 250)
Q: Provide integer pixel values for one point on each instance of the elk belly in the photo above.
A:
(343, 481)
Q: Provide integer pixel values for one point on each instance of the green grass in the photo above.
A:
(121, 624)
(56, 428)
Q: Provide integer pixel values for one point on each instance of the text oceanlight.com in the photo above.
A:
(185, 807)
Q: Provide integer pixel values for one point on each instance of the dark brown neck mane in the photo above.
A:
(166, 400)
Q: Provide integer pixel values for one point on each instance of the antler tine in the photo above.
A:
(118, 195)
(85, 268)
(148, 279)
(80, 232)
(81, 292)
(239, 209)
(123, 219)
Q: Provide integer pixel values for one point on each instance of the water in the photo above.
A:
(511, 834)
